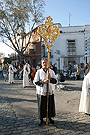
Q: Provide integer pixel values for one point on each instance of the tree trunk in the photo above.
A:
(20, 57)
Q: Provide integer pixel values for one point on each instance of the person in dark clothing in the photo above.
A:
(54, 69)
(85, 69)
(30, 68)
(41, 80)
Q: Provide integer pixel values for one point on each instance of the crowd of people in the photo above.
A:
(74, 72)
(16, 70)
(19, 71)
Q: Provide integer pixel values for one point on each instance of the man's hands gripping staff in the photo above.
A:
(47, 80)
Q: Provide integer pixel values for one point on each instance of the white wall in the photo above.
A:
(72, 33)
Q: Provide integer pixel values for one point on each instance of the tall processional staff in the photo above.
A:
(49, 33)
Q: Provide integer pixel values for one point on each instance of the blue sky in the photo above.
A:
(59, 11)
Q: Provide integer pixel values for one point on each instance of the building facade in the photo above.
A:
(32, 54)
(33, 51)
(72, 46)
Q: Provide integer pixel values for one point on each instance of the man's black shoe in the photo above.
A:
(87, 114)
(41, 123)
(51, 121)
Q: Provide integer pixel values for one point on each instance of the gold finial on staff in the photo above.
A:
(49, 33)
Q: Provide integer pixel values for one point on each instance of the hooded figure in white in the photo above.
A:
(11, 74)
(26, 72)
(85, 95)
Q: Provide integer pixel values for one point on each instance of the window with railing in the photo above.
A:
(71, 47)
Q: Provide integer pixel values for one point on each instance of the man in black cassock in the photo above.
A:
(41, 81)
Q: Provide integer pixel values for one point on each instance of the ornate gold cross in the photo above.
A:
(49, 33)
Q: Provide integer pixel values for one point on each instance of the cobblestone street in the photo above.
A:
(19, 113)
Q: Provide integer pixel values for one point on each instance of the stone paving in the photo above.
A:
(19, 116)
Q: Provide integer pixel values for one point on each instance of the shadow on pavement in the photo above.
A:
(73, 89)
(75, 126)
(17, 100)
(20, 100)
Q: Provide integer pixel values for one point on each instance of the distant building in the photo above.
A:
(33, 51)
(72, 46)
(32, 54)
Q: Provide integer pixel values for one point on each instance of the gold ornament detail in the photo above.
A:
(48, 32)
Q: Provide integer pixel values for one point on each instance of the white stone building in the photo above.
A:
(72, 46)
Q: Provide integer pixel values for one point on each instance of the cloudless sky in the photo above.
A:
(59, 11)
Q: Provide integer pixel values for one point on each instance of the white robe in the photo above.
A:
(11, 74)
(41, 75)
(25, 75)
(85, 95)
